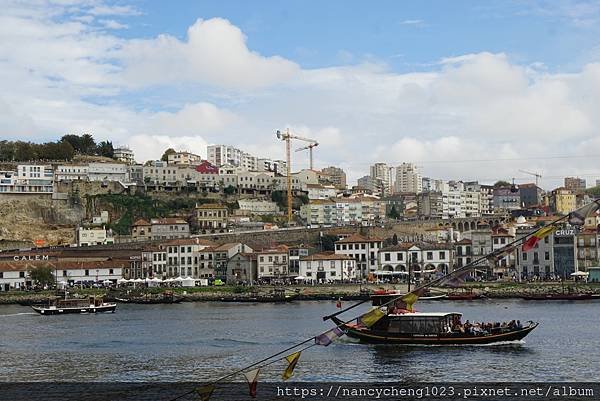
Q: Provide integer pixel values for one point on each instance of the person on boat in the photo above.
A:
(519, 326)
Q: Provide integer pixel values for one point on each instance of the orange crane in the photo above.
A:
(310, 147)
(287, 137)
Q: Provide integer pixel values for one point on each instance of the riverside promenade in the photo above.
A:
(319, 292)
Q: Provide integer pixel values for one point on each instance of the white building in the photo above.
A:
(72, 172)
(317, 191)
(258, 206)
(384, 173)
(408, 178)
(15, 275)
(421, 258)
(272, 263)
(327, 267)
(28, 179)
(124, 154)
(183, 158)
(94, 236)
(108, 172)
(363, 250)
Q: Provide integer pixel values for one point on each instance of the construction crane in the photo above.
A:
(287, 137)
(310, 147)
(537, 175)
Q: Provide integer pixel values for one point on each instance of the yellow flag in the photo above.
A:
(292, 361)
(205, 392)
(409, 299)
(371, 317)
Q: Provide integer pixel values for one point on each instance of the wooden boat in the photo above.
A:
(428, 329)
(59, 306)
(384, 297)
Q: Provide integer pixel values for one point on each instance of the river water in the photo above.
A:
(191, 342)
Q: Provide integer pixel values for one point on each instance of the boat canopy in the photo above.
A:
(423, 323)
(429, 314)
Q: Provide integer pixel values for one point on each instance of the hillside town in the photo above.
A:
(394, 225)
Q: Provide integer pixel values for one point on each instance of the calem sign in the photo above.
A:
(17, 258)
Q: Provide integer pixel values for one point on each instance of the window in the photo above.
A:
(546, 255)
(363, 246)
(87, 273)
(442, 255)
(332, 273)
(332, 263)
(111, 271)
(524, 256)
(399, 256)
(21, 274)
(386, 257)
(429, 255)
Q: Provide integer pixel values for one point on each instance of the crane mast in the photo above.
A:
(310, 150)
(537, 175)
(287, 137)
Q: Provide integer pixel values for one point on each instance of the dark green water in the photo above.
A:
(200, 341)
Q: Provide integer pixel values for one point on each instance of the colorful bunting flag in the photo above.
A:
(371, 317)
(205, 392)
(498, 254)
(252, 379)
(327, 338)
(412, 297)
(454, 279)
(292, 361)
(577, 218)
(537, 236)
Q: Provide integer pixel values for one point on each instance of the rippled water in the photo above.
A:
(197, 341)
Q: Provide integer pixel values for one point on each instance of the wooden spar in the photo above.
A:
(325, 318)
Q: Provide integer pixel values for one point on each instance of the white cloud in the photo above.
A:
(151, 147)
(415, 22)
(215, 53)
(102, 10)
(112, 24)
(60, 73)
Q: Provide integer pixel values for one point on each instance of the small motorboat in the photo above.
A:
(59, 306)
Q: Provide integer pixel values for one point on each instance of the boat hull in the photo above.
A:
(378, 337)
(62, 311)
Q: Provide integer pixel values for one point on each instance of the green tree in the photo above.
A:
(24, 151)
(328, 242)
(165, 156)
(66, 150)
(393, 213)
(74, 141)
(229, 190)
(88, 144)
(280, 198)
(594, 191)
(7, 150)
(42, 275)
(501, 184)
(105, 148)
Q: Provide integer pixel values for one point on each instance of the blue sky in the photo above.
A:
(444, 84)
(407, 35)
